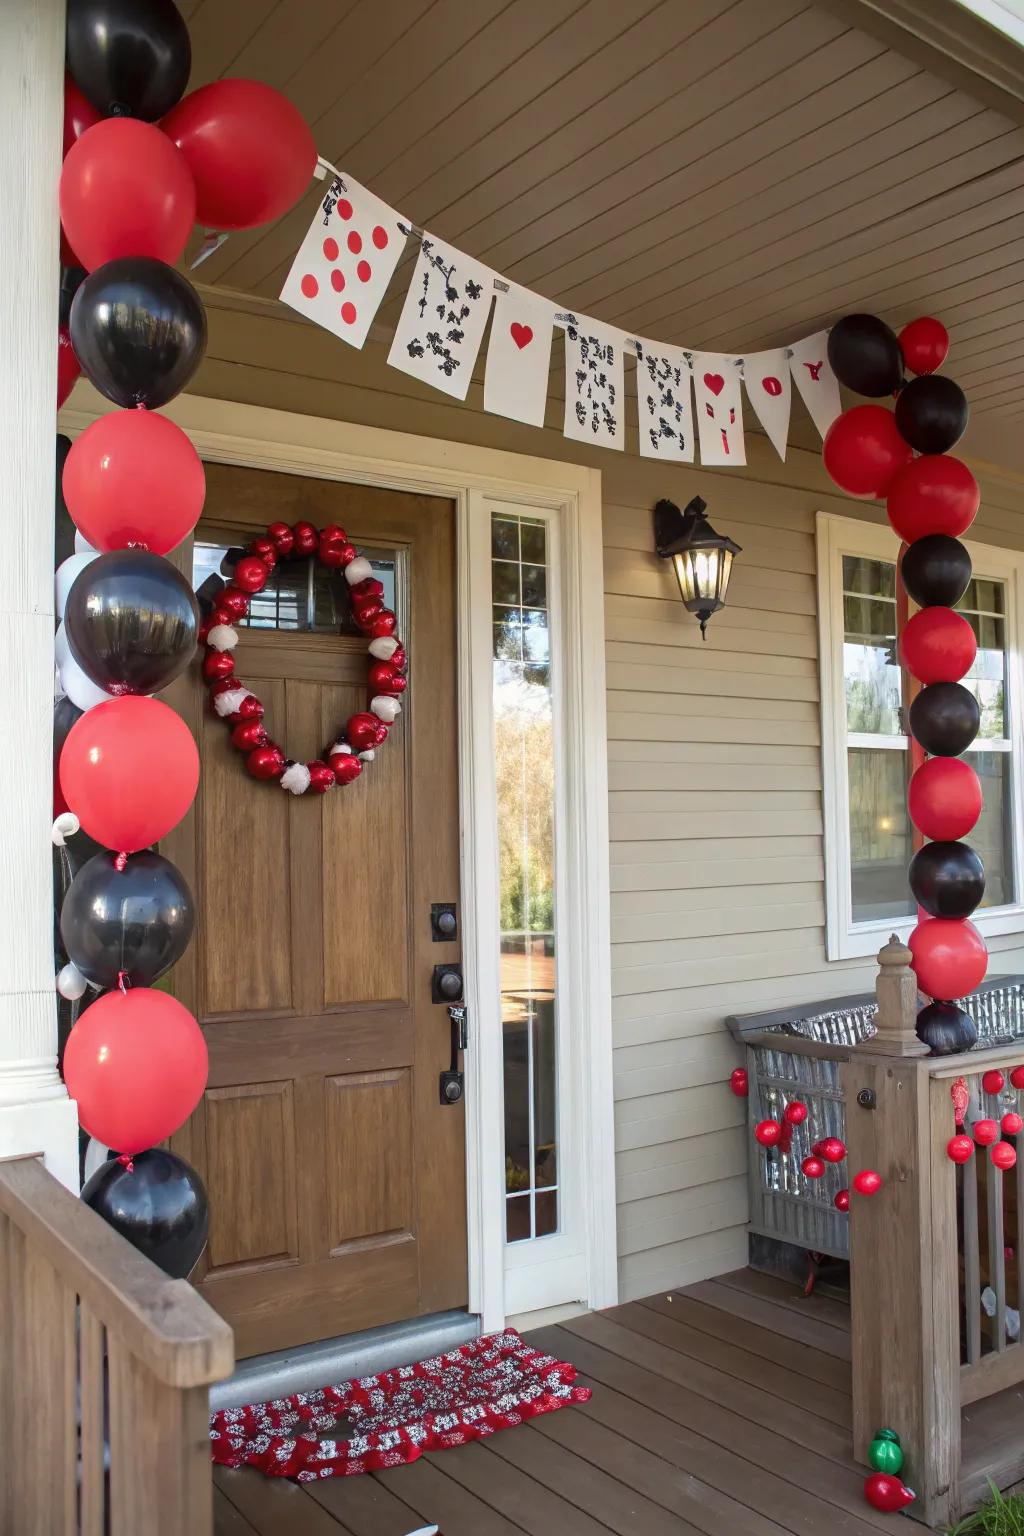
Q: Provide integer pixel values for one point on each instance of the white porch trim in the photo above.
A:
(228, 432)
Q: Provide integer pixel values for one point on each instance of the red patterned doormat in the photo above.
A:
(387, 1420)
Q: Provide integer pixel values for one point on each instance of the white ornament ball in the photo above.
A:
(222, 638)
(367, 756)
(65, 577)
(385, 708)
(295, 778)
(71, 983)
(383, 647)
(358, 570)
(339, 746)
(230, 701)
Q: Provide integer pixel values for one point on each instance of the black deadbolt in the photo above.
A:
(446, 984)
(444, 925)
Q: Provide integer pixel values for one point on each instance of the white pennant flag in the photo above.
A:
(594, 382)
(345, 263)
(770, 392)
(719, 406)
(663, 402)
(442, 321)
(818, 385)
(519, 356)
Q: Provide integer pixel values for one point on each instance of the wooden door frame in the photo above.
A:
(233, 433)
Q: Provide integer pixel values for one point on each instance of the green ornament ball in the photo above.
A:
(885, 1453)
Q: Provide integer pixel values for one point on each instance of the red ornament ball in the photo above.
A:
(813, 1168)
(944, 801)
(937, 645)
(934, 494)
(950, 958)
(265, 550)
(867, 1182)
(986, 1132)
(993, 1081)
(251, 574)
(249, 734)
(960, 1149)
(1003, 1156)
(234, 602)
(831, 1149)
(282, 539)
(739, 1082)
(768, 1133)
(345, 766)
(383, 625)
(266, 762)
(218, 665)
(887, 1493)
(249, 709)
(1017, 1077)
(307, 539)
(863, 451)
(1012, 1124)
(842, 1200)
(924, 344)
(361, 732)
(795, 1113)
(321, 777)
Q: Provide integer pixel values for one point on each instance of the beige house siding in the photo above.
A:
(714, 769)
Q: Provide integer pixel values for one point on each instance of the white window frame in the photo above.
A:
(838, 536)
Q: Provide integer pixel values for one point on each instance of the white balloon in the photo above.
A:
(95, 1156)
(82, 545)
(65, 826)
(64, 578)
(81, 690)
(61, 649)
(71, 983)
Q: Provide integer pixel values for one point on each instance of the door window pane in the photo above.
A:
(524, 763)
(300, 595)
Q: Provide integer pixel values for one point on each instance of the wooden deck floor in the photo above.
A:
(718, 1410)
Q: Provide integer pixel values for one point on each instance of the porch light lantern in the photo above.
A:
(701, 557)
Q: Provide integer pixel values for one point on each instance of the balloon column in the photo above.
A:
(932, 499)
(136, 1060)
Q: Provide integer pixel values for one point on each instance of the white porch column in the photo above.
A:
(36, 1114)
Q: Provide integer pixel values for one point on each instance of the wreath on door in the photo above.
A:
(243, 711)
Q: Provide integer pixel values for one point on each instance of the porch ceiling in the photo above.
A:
(722, 173)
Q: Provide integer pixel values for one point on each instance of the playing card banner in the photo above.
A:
(818, 385)
(519, 356)
(442, 323)
(346, 261)
(719, 407)
(594, 382)
(663, 401)
(769, 390)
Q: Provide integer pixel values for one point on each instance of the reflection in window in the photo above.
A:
(524, 758)
(301, 594)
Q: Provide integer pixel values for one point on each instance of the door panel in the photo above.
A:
(336, 1177)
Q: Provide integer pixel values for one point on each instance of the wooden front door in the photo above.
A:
(336, 1177)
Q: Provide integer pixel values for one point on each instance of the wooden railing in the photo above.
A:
(106, 1366)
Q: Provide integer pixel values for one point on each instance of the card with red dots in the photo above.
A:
(769, 390)
(519, 355)
(664, 413)
(813, 376)
(719, 405)
(345, 263)
(442, 321)
(595, 383)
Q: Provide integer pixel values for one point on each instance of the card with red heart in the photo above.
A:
(519, 356)
(813, 376)
(719, 406)
(344, 265)
(769, 390)
(663, 402)
(595, 409)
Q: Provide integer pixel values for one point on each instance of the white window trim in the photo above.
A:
(838, 536)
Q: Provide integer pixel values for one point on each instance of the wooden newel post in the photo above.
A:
(896, 990)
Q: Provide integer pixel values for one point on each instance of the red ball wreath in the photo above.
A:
(239, 706)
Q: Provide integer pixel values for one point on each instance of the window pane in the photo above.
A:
(300, 595)
(880, 839)
(870, 668)
(992, 838)
(982, 606)
(524, 764)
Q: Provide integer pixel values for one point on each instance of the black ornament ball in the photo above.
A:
(159, 1204)
(947, 879)
(131, 620)
(865, 355)
(946, 1029)
(138, 919)
(936, 570)
(932, 413)
(945, 719)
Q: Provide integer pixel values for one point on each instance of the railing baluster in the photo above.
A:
(92, 1496)
(996, 1251)
(972, 1267)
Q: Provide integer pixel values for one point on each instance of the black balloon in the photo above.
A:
(931, 413)
(936, 570)
(945, 1029)
(865, 355)
(138, 329)
(130, 58)
(947, 879)
(137, 920)
(945, 719)
(131, 620)
(158, 1203)
(71, 279)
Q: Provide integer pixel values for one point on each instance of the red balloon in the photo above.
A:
(863, 450)
(993, 1081)
(133, 477)
(136, 1064)
(813, 1168)
(126, 191)
(768, 1133)
(129, 770)
(739, 1082)
(986, 1132)
(934, 494)
(79, 114)
(944, 798)
(1017, 1077)
(795, 1113)
(960, 1149)
(1003, 1156)
(867, 1182)
(842, 1200)
(831, 1149)
(1012, 1124)
(249, 149)
(950, 958)
(938, 646)
(924, 344)
(68, 367)
(887, 1493)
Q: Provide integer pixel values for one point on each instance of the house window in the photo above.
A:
(869, 839)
